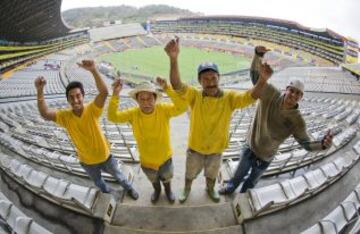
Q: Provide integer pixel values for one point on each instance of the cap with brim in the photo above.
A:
(145, 87)
(296, 83)
(208, 66)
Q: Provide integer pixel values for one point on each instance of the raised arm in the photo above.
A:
(45, 112)
(260, 51)
(264, 74)
(114, 114)
(90, 66)
(172, 49)
(179, 104)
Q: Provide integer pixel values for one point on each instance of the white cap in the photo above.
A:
(296, 83)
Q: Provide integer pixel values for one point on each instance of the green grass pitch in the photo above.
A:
(154, 61)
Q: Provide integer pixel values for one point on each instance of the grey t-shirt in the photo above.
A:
(273, 124)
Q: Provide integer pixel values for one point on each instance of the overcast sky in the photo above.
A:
(341, 16)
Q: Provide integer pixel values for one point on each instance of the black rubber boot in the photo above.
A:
(169, 194)
(157, 190)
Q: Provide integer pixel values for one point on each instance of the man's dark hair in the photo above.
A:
(74, 85)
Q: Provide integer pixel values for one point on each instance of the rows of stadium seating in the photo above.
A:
(326, 79)
(34, 130)
(325, 46)
(116, 31)
(31, 146)
(198, 40)
(18, 116)
(353, 68)
(22, 84)
(16, 220)
(281, 195)
(229, 44)
(11, 55)
(343, 215)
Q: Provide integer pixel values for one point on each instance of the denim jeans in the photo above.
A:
(248, 161)
(110, 166)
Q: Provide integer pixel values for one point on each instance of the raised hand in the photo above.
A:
(88, 65)
(327, 140)
(117, 87)
(40, 83)
(161, 82)
(265, 72)
(261, 50)
(172, 48)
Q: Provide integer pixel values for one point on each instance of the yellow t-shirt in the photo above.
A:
(151, 131)
(85, 132)
(210, 117)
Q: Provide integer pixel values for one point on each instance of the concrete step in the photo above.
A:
(121, 230)
(209, 218)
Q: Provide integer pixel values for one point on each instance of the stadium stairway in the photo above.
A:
(209, 218)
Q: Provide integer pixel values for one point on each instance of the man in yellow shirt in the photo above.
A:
(81, 122)
(150, 124)
(211, 110)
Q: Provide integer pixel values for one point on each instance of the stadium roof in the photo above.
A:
(31, 20)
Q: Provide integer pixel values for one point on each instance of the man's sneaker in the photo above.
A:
(133, 194)
(213, 194)
(184, 195)
(225, 190)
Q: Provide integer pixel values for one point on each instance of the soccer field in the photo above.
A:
(154, 61)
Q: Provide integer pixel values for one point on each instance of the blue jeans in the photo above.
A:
(248, 162)
(110, 166)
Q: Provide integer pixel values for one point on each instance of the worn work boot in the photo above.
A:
(169, 194)
(185, 193)
(157, 190)
(210, 188)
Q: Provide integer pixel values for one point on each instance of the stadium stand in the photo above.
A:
(34, 130)
(33, 37)
(341, 217)
(328, 79)
(45, 190)
(323, 43)
(11, 56)
(116, 31)
(353, 69)
(16, 221)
